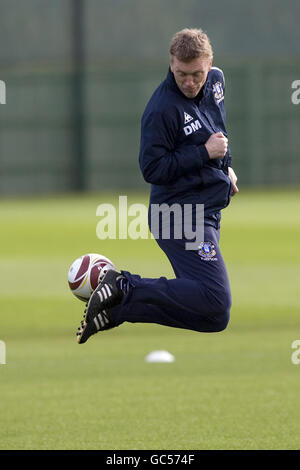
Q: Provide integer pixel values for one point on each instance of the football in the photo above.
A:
(86, 272)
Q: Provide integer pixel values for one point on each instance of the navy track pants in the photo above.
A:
(198, 299)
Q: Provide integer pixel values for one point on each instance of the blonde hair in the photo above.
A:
(189, 44)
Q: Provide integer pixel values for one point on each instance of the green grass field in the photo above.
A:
(237, 389)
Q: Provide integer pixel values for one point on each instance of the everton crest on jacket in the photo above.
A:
(173, 157)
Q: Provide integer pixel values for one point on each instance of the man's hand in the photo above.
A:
(216, 145)
(233, 179)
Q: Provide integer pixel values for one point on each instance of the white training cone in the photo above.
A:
(160, 356)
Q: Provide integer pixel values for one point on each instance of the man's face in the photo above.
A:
(190, 76)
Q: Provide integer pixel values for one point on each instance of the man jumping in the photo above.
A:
(184, 155)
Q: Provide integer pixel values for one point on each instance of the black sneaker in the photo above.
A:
(100, 322)
(106, 295)
(97, 316)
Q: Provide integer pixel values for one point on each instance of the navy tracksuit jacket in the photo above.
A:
(173, 158)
